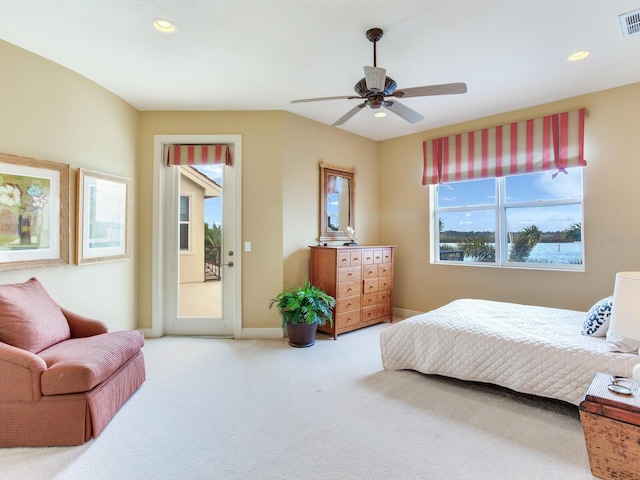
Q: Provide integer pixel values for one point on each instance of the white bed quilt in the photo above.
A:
(529, 349)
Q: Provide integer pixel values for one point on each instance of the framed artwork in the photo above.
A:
(34, 213)
(103, 223)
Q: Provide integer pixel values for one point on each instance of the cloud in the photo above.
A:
(567, 185)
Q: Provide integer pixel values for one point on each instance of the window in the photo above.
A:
(185, 223)
(525, 221)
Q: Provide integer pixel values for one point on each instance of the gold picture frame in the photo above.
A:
(34, 213)
(103, 217)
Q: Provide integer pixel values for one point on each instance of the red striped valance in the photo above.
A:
(547, 143)
(198, 155)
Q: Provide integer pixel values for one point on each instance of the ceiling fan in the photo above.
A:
(376, 89)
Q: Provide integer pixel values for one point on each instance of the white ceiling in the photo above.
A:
(261, 54)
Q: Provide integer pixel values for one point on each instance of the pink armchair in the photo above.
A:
(62, 376)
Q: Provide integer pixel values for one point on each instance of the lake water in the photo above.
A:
(559, 253)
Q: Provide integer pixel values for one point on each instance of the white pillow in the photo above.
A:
(597, 322)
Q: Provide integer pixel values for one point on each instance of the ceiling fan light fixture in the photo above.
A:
(380, 114)
(375, 78)
(163, 25)
(576, 56)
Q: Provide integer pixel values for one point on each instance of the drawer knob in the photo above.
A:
(638, 440)
(349, 289)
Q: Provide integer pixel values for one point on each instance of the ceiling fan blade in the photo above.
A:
(349, 114)
(375, 78)
(346, 97)
(428, 90)
(403, 111)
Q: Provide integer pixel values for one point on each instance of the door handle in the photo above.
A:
(230, 264)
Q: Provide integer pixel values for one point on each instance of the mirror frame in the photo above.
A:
(349, 174)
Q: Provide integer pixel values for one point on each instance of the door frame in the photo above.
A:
(232, 305)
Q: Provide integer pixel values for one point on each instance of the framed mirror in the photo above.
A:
(337, 202)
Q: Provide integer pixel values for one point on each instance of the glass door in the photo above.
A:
(198, 262)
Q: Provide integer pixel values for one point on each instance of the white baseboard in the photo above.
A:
(403, 313)
(148, 333)
(262, 333)
(247, 333)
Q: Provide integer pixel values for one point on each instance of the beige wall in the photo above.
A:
(51, 113)
(610, 210)
(306, 143)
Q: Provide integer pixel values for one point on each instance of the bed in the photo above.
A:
(529, 349)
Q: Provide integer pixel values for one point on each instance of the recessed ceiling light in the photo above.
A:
(163, 25)
(581, 55)
(380, 114)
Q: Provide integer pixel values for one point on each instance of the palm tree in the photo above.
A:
(478, 249)
(573, 233)
(523, 243)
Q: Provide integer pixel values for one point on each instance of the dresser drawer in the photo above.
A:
(384, 297)
(385, 270)
(344, 259)
(349, 274)
(367, 257)
(347, 304)
(386, 255)
(384, 310)
(370, 271)
(347, 319)
(370, 299)
(385, 283)
(370, 313)
(356, 258)
(348, 289)
(370, 285)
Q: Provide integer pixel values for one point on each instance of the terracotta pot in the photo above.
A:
(301, 334)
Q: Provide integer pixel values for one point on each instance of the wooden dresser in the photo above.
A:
(361, 280)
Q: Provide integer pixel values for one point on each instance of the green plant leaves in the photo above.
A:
(307, 304)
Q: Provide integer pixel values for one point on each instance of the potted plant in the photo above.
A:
(302, 310)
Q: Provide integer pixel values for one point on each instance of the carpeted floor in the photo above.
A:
(259, 409)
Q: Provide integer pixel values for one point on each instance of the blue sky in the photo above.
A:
(519, 188)
(212, 206)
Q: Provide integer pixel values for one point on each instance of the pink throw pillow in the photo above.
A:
(29, 318)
